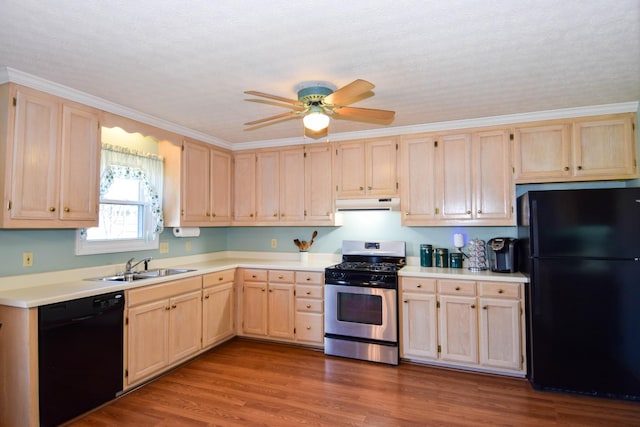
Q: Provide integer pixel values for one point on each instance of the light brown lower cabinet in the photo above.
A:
(309, 306)
(218, 311)
(164, 326)
(464, 324)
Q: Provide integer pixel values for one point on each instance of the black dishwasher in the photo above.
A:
(80, 346)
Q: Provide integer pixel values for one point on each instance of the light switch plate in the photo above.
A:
(164, 247)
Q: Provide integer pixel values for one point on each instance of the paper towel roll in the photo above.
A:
(186, 231)
(458, 240)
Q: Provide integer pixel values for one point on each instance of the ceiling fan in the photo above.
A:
(318, 101)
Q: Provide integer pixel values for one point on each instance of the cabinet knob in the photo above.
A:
(500, 291)
(308, 305)
(174, 306)
(206, 297)
(52, 209)
(566, 168)
(253, 276)
(220, 278)
(270, 290)
(579, 168)
(67, 209)
(479, 211)
(251, 215)
(405, 301)
(485, 308)
(308, 328)
(468, 212)
(308, 279)
(457, 288)
(419, 285)
(263, 289)
(213, 215)
(280, 277)
(208, 214)
(167, 308)
(473, 306)
(276, 214)
(308, 292)
(370, 188)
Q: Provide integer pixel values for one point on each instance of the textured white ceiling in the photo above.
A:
(188, 62)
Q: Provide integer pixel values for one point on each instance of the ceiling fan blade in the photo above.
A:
(277, 116)
(349, 93)
(355, 113)
(276, 97)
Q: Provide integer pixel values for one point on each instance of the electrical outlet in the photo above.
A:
(164, 247)
(187, 245)
(27, 259)
(274, 243)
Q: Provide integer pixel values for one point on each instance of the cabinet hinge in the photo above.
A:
(294, 292)
(305, 213)
(439, 349)
(182, 147)
(511, 136)
(126, 373)
(336, 188)
(435, 144)
(511, 209)
(126, 320)
(9, 205)
(397, 185)
(396, 147)
(336, 151)
(15, 101)
(438, 306)
(305, 155)
(521, 360)
(513, 169)
(294, 330)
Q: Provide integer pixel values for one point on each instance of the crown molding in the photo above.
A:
(8, 74)
(15, 76)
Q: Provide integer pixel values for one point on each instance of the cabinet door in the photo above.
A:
(34, 178)
(542, 153)
(217, 313)
(458, 329)
(500, 333)
(148, 336)
(454, 175)
(195, 181)
(292, 180)
(604, 148)
(185, 336)
(281, 311)
(80, 165)
(350, 169)
(419, 326)
(381, 160)
(244, 202)
(220, 173)
(318, 186)
(254, 309)
(493, 191)
(268, 186)
(418, 179)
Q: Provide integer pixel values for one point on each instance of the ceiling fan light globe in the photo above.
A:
(316, 121)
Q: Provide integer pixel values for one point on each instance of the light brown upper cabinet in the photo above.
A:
(286, 186)
(50, 151)
(458, 178)
(584, 149)
(366, 168)
(197, 184)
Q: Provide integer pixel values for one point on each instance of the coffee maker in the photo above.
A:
(502, 255)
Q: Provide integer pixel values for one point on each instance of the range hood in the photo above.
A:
(384, 204)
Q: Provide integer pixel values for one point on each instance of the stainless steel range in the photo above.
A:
(361, 301)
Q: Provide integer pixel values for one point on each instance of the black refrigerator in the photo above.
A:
(581, 252)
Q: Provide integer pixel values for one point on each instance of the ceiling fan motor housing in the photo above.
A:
(313, 95)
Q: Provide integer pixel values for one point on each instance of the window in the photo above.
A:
(130, 204)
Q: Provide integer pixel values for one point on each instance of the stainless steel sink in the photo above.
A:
(141, 275)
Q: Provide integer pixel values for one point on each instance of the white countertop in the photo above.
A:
(27, 291)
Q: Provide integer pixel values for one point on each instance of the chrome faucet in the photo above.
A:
(129, 267)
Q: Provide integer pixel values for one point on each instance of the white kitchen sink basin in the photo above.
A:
(141, 275)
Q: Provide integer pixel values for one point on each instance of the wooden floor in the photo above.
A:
(250, 383)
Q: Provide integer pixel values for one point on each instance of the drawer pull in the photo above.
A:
(308, 328)
(457, 288)
(167, 308)
(308, 279)
(280, 277)
(500, 291)
(308, 305)
(174, 306)
(473, 306)
(220, 278)
(263, 289)
(419, 285)
(406, 301)
(253, 276)
(206, 297)
(485, 308)
(308, 292)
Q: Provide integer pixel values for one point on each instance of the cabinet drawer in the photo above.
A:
(457, 287)
(310, 327)
(312, 277)
(218, 277)
(250, 275)
(309, 305)
(163, 291)
(281, 276)
(499, 289)
(418, 284)
(309, 291)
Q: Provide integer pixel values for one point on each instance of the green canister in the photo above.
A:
(455, 260)
(442, 257)
(426, 255)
